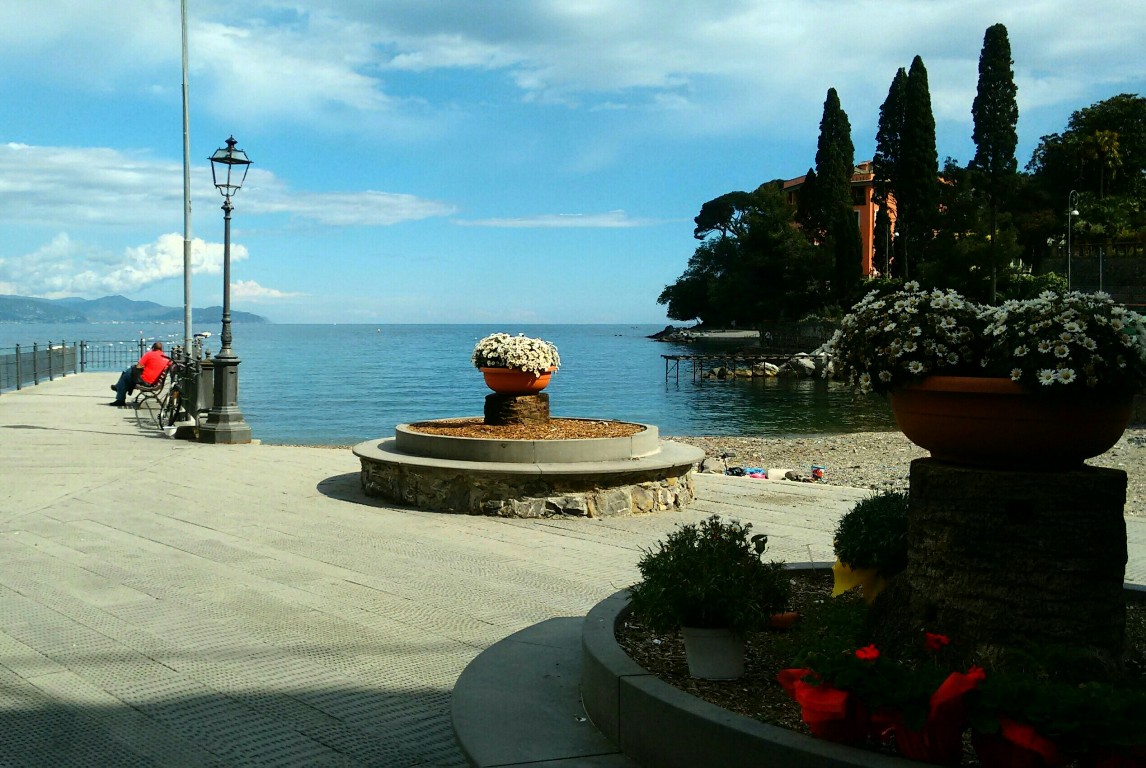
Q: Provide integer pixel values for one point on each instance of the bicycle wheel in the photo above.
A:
(172, 405)
(149, 412)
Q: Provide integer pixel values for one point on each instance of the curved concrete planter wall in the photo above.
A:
(654, 723)
(603, 477)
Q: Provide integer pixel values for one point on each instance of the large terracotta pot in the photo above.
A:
(511, 381)
(994, 422)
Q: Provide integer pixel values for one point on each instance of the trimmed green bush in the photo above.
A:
(874, 534)
(709, 575)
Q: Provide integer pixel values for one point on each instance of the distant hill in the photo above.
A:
(115, 309)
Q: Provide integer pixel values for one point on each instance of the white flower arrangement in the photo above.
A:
(500, 350)
(1054, 343)
(1072, 340)
(891, 339)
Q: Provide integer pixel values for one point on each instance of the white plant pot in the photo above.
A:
(714, 654)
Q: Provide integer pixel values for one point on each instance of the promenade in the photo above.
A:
(166, 603)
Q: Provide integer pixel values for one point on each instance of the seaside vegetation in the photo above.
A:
(983, 229)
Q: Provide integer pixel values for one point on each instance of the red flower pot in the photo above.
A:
(511, 381)
(828, 712)
(994, 422)
(1015, 746)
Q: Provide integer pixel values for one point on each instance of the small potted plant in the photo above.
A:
(515, 364)
(871, 544)
(709, 581)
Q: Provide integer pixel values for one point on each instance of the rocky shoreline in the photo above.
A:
(881, 460)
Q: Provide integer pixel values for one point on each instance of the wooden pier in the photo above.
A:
(731, 360)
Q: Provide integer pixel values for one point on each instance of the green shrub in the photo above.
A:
(709, 575)
(874, 534)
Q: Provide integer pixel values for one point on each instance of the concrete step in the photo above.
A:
(519, 704)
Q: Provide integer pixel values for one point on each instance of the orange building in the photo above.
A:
(865, 209)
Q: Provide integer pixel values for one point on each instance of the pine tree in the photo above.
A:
(917, 193)
(996, 113)
(885, 167)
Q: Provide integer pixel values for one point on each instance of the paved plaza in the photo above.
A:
(167, 603)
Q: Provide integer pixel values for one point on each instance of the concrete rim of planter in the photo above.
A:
(654, 723)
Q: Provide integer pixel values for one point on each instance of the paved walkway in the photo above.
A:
(169, 603)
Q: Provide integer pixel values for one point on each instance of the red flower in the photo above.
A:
(934, 642)
(867, 653)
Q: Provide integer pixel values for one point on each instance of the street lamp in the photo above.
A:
(225, 422)
(1071, 212)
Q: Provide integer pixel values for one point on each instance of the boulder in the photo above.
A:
(766, 370)
(800, 366)
(713, 466)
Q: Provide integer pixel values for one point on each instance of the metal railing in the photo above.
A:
(24, 365)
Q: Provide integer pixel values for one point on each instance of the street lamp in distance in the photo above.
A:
(1071, 212)
(225, 423)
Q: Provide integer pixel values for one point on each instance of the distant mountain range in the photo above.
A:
(109, 309)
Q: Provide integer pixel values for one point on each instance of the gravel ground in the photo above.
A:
(880, 460)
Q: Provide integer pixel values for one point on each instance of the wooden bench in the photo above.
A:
(145, 392)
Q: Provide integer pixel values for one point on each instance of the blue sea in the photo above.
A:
(341, 384)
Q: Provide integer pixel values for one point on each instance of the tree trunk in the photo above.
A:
(1000, 558)
(509, 410)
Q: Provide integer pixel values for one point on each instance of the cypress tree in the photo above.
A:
(917, 194)
(807, 208)
(835, 221)
(885, 167)
(996, 113)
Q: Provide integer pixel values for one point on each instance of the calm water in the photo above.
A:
(340, 384)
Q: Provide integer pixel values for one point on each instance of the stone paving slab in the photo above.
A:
(165, 603)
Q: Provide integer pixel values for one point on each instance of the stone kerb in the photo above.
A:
(603, 477)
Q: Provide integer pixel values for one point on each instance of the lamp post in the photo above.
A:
(1071, 212)
(225, 422)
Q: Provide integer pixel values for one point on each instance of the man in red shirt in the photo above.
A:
(147, 370)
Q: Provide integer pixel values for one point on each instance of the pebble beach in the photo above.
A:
(881, 460)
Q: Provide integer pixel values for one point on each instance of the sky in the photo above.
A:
(468, 161)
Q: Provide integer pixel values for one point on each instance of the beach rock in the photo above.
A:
(713, 466)
(765, 370)
(800, 366)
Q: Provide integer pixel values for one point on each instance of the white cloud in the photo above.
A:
(64, 267)
(64, 187)
(711, 66)
(610, 220)
(252, 291)
(368, 208)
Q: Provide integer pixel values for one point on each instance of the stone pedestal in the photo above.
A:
(506, 410)
(225, 422)
(999, 558)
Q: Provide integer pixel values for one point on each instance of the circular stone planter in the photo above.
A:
(596, 477)
(654, 723)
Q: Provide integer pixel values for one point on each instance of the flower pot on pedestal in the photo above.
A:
(994, 422)
(511, 381)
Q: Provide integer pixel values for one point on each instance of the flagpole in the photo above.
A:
(188, 334)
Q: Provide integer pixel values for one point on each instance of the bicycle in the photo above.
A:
(168, 409)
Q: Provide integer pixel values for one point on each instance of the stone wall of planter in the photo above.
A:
(519, 495)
